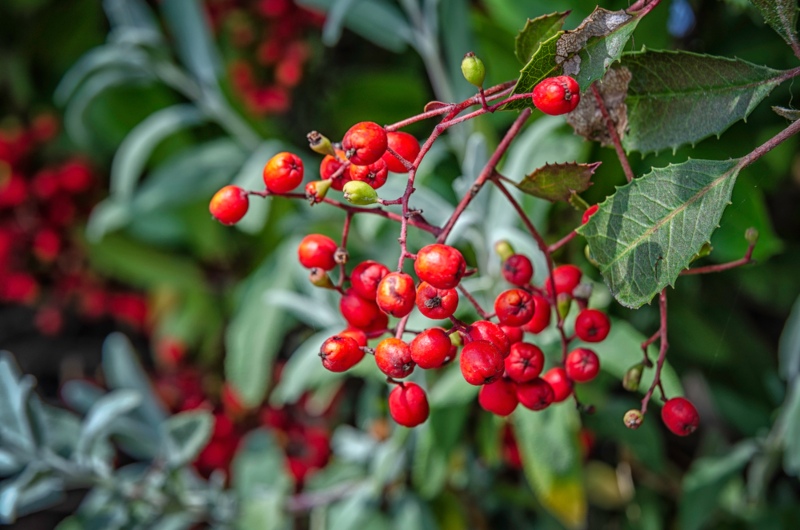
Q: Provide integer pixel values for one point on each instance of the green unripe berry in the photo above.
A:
(359, 193)
(320, 144)
(473, 69)
(633, 419)
(633, 377)
(504, 249)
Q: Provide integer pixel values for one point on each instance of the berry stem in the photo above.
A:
(746, 260)
(612, 131)
(561, 242)
(662, 351)
(484, 315)
(345, 232)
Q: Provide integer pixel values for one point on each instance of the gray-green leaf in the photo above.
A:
(536, 31)
(782, 16)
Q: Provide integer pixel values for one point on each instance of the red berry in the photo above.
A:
(590, 211)
(408, 404)
(514, 333)
(434, 303)
(396, 294)
(229, 205)
(440, 265)
(541, 315)
(499, 397)
(525, 362)
(582, 365)
(680, 416)
(518, 270)
(356, 334)
(489, 331)
(404, 145)
(561, 383)
(557, 95)
(431, 348)
(45, 184)
(514, 307)
(283, 173)
(374, 174)
(19, 287)
(328, 168)
(393, 357)
(364, 143)
(46, 244)
(365, 278)
(340, 353)
(362, 313)
(13, 188)
(481, 362)
(536, 394)
(592, 325)
(75, 177)
(49, 320)
(317, 251)
(567, 278)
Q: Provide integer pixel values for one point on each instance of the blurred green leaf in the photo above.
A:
(98, 422)
(35, 488)
(15, 390)
(536, 31)
(131, 14)
(261, 483)
(98, 59)
(782, 16)
(186, 434)
(451, 389)
(193, 39)
(304, 371)
(788, 429)
(789, 345)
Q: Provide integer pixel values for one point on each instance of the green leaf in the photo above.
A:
(789, 345)
(536, 31)
(782, 16)
(193, 39)
(260, 481)
(677, 97)
(35, 488)
(788, 426)
(645, 234)
(558, 182)
(98, 422)
(15, 390)
(256, 331)
(548, 443)
(134, 152)
(541, 65)
(186, 434)
(100, 58)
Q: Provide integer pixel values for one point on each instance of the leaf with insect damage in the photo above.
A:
(558, 182)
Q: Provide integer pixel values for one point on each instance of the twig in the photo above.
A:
(484, 315)
(662, 351)
(746, 260)
(612, 131)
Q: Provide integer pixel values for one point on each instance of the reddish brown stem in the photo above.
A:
(746, 260)
(345, 232)
(663, 344)
(612, 132)
(484, 315)
(561, 242)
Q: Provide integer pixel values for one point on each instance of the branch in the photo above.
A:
(612, 131)
(662, 352)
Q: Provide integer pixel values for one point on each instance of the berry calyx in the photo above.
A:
(566, 277)
(525, 362)
(431, 348)
(317, 251)
(680, 416)
(436, 304)
(541, 315)
(590, 211)
(319, 143)
(365, 278)
(536, 394)
(491, 332)
(396, 294)
(393, 357)
(364, 143)
(283, 173)
(481, 363)
(557, 95)
(440, 265)
(340, 353)
(592, 325)
(408, 404)
(582, 365)
(499, 397)
(514, 307)
(518, 270)
(374, 174)
(561, 383)
(229, 205)
(404, 145)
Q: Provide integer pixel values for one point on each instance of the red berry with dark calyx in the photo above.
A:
(229, 205)
(680, 416)
(317, 251)
(440, 265)
(283, 173)
(557, 95)
(582, 365)
(518, 270)
(525, 362)
(408, 404)
(481, 362)
(431, 348)
(536, 394)
(330, 165)
(499, 397)
(393, 357)
(514, 307)
(560, 382)
(396, 294)
(404, 145)
(514, 333)
(362, 313)
(592, 325)
(489, 331)
(541, 315)
(364, 143)
(374, 174)
(340, 353)
(590, 211)
(436, 304)
(566, 277)
(366, 276)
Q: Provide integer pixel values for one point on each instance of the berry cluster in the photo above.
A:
(493, 352)
(41, 262)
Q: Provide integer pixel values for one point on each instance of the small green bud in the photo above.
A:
(473, 69)
(704, 251)
(320, 278)
(316, 190)
(359, 193)
(504, 249)
(455, 339)
(589, 257)
(563, 303)
(633, 377)
(633, 419)
(751, 235)
(320, 144)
